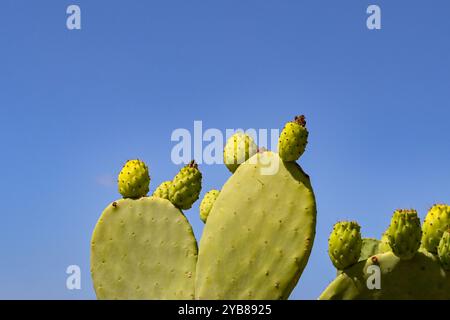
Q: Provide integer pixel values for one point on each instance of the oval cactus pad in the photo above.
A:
(259, 233)
(143, 249)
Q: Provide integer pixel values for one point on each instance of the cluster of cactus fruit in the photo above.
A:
(258, 234)
(413, 260)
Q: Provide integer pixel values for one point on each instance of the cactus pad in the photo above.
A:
(259, 234)
(143, 249)
(369, 248)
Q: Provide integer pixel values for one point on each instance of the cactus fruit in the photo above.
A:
(293, 139)
(186, 186)
(404, 233)
(163, 190)
(134, 179)
(384, 246)
(436, 222)
(422, 277)
(259, 233)
(388, 275)
(207, 204)
(143, 249)
(444, 250)
(344, 244)
(239, 148)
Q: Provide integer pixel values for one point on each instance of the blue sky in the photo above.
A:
(74, 105)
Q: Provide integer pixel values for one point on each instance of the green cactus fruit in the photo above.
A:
(239, 148)
(444, 250)
(436, 222)
(404, 233)
(143, 249)
(186, 186)
(293, 139)
(387, 277)
(344, 244)
(163, 190)
(384, 244)
(259, 233)
(207, 204)
(134, 179)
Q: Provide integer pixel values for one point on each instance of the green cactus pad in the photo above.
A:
(369, 248)
(422, 277)
(207, 204)
(404, 233)
(344, 244)
(259, 234)
(444, 250)
(163, 190)
(239, 148)
(293, 139)
(436, 222)
(186, 186)
(134, 179)
(143, 249)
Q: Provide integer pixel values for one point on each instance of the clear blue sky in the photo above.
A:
(74, 105)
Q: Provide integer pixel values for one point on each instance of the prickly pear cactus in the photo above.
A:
(259, 233)
(134, 179)
(143, 249)
(207, 204)
(239, 148)
(344, 244)
(436, 222)
(293, 139)
(404, 233)
(163, 190)
(186, 186)
(422, 275)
